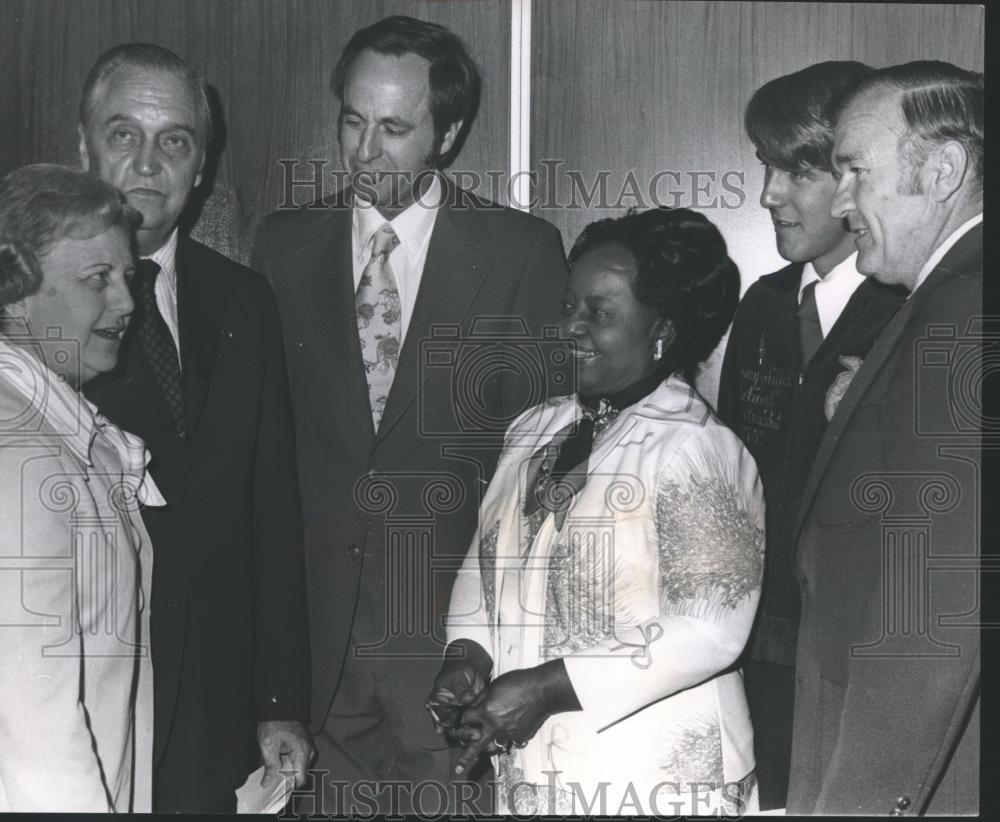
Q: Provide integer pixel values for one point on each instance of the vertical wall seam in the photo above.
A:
(519, 189)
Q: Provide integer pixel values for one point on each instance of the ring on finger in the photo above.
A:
(506, 747)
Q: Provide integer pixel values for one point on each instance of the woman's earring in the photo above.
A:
(658, 350)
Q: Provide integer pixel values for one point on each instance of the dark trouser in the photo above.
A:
(185, 780)
(377, 752)
(770, 693)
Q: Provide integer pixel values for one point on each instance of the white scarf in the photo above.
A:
(47, 397)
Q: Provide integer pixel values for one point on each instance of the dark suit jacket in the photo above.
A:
(228, 546)
(389, 517)
(886, 704)
(777, 409)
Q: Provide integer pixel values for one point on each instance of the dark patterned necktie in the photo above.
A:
(156, 342)
(810, 330)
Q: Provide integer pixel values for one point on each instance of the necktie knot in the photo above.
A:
(383, 242)
(144, 284)
(807, 302)
(810, 329)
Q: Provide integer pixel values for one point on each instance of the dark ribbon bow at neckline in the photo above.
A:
(553, 490)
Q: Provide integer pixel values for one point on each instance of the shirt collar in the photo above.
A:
(944, 248)
(809, 275)
(166, 258)
(630, 395)
(845, 274)
(412, 225)
(605, 408)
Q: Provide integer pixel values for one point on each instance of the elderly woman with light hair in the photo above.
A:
(75, 559)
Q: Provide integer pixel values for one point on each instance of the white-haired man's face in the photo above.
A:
(895, 220)
(143, 137)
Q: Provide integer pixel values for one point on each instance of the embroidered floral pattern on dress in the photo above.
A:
(695, 758)
(488, 564)
(711, 548)
(580, 602)
(516, 796)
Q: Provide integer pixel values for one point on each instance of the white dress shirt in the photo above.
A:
(166, 286)
(944, 248)
(832, 291)
(413, 227)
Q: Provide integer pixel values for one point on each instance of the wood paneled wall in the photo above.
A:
(650, 87)
(270, 62)
(624, 89)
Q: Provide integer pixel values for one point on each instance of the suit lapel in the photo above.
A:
(867, 299)
(960, 258)
(876, 359)
(873, 364)
(453, 274)
(855, 307)
(326, 272)
(200, 303)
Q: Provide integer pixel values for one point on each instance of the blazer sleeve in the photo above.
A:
(281, 675)
(48, 760)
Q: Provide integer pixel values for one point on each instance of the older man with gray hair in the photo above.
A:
(888, 673)
(202, 380)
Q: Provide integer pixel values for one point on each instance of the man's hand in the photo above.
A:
(290, 739)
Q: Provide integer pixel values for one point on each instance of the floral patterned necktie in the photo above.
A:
(379, 328)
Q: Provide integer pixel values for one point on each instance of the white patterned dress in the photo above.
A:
(647, 591)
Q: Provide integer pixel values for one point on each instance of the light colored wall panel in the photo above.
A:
(652, 86)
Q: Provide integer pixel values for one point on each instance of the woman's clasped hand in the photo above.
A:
(502, 716)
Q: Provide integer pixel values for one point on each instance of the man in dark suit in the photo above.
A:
(887, 670)
(798, 336)
(413, 315)
(202, 380)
